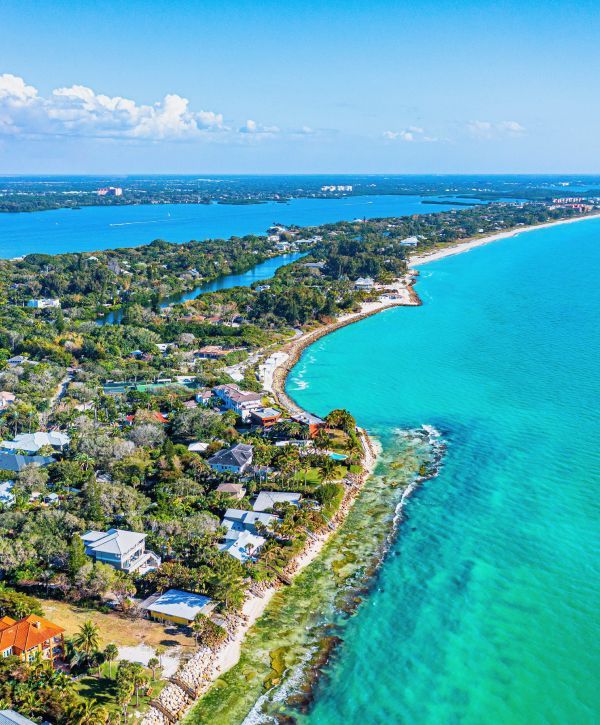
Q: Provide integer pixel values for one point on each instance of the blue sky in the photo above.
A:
(304, 87)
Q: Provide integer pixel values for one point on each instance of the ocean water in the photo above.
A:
(487, 607)
(93, 228)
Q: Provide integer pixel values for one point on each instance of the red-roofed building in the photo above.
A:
(26, 637)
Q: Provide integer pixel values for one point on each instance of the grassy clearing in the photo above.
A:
(114, 627)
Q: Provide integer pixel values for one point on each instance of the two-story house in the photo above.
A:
(27, 637)
(241, 402)
(232, 460)
(121, 549)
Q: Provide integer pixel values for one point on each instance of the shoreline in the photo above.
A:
(206, 666)
(469, 244)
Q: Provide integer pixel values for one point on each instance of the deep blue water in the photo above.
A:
(95, 228)
(487, 608)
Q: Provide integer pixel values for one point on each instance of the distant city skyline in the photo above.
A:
(330, 87)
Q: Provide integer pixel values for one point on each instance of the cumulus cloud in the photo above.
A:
(256, 129)
(410, 134)
(489, 129)
(80, 111)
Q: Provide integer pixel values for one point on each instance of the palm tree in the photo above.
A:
(86, 641)
(87, 712)
(153, 664)
(111, 653)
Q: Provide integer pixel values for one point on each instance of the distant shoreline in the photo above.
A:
(461, 247)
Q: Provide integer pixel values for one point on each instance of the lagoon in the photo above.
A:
(95, 228)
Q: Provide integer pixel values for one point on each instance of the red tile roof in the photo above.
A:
(26, 633)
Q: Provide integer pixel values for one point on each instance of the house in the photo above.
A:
(125, 550)
(6, 399)
(154, 416)
(15, 462)
(32, 442)
(232, 460)
(28, 637)
(269, 499)
(266, 416)
(17, 360)
(215, 352)
(10, 717)
(240, 401)
(410, 242)
(204, 397)
(234, 490)
(198, 447)
(237, 521)
(43, 303)
(7, 497)
(364, 284)
(177, 606)
(312, 421)
(245, 547)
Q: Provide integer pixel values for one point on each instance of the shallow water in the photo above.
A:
(487, 608)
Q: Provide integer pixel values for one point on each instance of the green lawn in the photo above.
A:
(103, 689)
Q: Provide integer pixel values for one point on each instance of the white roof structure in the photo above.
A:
(198, 447)
(237, 521)
(244, 547)
(7, 497)
(113, 541)
(10, 717)
(32, 442)
(180, 604)
(268, 499)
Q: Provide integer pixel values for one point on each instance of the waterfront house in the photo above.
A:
(236, 521)
(232, 460)
(31, 637)
(43, 303)
(410, 242)
(6, 399)
(32, 442)
(364, 284)
(234, 490)
(313, 422)
(15, 462)
(245, 547)
(267, 417)
(241, 402)
(267, 500)
(124, 550)
(176, 606)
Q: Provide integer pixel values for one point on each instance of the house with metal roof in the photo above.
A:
(16, 462)
(267, 500)
(177, 606)
(10, 717)
(237, 521)
(245, 547)
(32, 442)
(232, 460)
(121, 549)
(235, 490)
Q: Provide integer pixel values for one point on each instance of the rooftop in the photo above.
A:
(181, 604)
(113, 541)
(239, 455)
(268, 499)
(26, 633)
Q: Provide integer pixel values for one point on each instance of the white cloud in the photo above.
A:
(410, 135)
(256, 129)
(489, 129)
(80, 111)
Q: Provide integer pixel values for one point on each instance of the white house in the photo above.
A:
(6, 399)
(364, 283)
(43, 303)
(245, 547)
(268, 499)
(240, 401)
(232, 460)
(124, 550)
(410, 242)
(236, 521)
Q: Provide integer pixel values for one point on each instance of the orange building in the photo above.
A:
(26, 637)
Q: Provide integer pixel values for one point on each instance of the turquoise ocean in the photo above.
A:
(486, 608)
